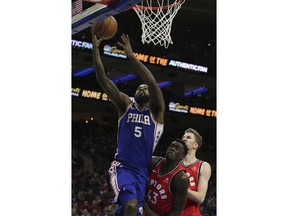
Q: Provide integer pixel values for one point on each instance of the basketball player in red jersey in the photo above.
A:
(168, 184)
(198, 171)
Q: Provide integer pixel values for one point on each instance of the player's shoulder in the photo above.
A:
(205, 168)
(205, 164)
(154, 161)
(156, 158)
(124, 106)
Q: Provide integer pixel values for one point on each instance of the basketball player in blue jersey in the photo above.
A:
(140, 127)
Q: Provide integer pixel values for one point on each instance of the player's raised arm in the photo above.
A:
(120, 99)
(157, 104)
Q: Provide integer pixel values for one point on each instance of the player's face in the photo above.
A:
(189, 139)
(142, 94)
(175, 151)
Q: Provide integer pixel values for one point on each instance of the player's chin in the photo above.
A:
(170, 155)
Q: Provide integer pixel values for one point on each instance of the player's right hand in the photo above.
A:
(95, 41)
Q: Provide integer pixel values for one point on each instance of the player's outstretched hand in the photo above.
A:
(95, 41)
(126, 45)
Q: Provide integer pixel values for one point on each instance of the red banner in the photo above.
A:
(101, 1)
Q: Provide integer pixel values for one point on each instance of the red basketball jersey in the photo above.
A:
(191, 208)
(159, 196)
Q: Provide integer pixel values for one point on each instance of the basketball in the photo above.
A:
(106, 28)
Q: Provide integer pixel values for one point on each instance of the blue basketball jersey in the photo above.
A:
(138, 136)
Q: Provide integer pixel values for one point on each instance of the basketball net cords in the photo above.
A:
(157, 24)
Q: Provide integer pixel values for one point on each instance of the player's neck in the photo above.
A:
(190, 157)
(167, 167)
(141, 106)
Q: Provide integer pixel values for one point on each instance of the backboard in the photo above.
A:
(98, 12)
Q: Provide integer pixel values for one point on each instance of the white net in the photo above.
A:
(156, 17)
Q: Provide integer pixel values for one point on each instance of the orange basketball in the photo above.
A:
(106, 28)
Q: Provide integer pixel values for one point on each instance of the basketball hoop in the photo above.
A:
(156, 17)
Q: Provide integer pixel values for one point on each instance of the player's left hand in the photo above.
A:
(126, 45)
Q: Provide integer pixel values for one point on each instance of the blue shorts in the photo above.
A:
(126, 186)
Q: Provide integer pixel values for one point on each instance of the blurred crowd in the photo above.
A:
(91, 195)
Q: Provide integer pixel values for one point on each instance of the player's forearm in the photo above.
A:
(195, 196)
(143, 72)
(98, 65)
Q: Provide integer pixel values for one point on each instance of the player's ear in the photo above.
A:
(195, 145)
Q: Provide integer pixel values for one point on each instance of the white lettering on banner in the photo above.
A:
(188, 66)
(82, 44)
(177, 110)
(115, 54)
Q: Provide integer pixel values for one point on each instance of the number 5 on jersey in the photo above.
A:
(138, 131)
